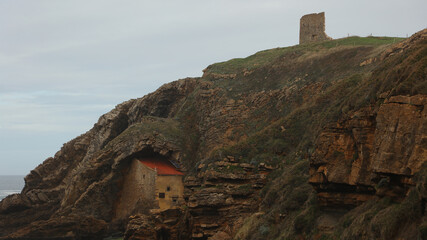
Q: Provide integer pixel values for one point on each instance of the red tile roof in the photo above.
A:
(163, 167)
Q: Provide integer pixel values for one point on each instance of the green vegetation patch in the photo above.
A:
(361, 41)
(257, 60)
(404, 73)
(165, 129)
(266, 57)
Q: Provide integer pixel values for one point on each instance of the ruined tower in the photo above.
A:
(312, 28)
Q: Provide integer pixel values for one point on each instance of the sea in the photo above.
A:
(10, 184)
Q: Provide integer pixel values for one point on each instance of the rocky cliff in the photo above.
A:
(322, 140)
(371, 152)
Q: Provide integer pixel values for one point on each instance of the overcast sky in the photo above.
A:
(65, 63)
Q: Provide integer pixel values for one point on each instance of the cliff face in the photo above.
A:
(83, 178)
(371, 152)
(250, 135)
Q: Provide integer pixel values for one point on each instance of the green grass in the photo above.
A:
(163, 128)
(259, 59)
(265, 57)
(361, 41)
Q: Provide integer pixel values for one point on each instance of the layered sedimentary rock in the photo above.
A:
(401, 137)
(339, 163)
(376, 150)
(371, 152)
(167, 224)
(222, 195)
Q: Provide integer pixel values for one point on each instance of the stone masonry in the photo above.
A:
(312, 28)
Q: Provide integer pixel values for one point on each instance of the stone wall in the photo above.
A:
(138, 188)
(173, 189)
(312, 28)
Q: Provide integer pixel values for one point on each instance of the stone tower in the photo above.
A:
(312, 28)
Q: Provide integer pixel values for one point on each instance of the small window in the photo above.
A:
(161, 195)
(174, 199)
(168, 188)
(143, 176)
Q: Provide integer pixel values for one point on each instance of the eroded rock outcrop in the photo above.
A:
(167, 224)
(222, 195)
(338, 167)
(371, 152)
(401, 136)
